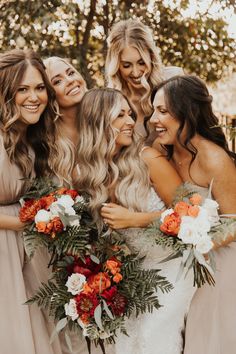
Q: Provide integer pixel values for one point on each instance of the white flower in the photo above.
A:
(202, 221)
(211, 206)
(188, 232)
(75, 283)
(55, 209)
(79, 199)
(42, 216)
(66, 201)
(71, 310)
(70, 211)
(165, 213)
(204, 245)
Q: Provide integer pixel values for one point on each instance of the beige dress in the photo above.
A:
(211, 321)
(23, 329)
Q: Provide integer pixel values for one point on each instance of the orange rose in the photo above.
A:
(196, 199)
(99, 282)
(41, 226)
(57, 224)
(117, 278)
(171, 224)
(29, 210)
(61, 191)
(113, 265)
(193, 211)
(181, 208)
(87, 289)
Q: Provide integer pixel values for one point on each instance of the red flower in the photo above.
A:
(86, 303)
(85, 271)
(118, 304)
(109, 294)
(47, 201)
(72, 192)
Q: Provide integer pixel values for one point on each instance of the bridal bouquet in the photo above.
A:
(52, 214)
(95, 290)
(189, 228)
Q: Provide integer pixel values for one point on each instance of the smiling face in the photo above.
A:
(124, 125)
(31, 96)
(164, 123)
(132, 67)
(69, 85)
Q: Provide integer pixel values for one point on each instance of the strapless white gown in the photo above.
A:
(159, 332)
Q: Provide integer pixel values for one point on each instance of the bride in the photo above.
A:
(113, 174)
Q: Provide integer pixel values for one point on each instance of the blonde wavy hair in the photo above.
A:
(100, 169)
(40, 136)
(62, 157)
(133, 33)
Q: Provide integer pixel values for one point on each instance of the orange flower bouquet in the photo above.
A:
(52, 215)
(189, 228)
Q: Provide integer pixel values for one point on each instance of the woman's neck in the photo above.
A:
(68, 119)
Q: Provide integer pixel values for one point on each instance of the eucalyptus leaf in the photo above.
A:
(98, 316)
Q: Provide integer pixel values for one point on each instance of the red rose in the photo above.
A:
(72, 192)
(109, 294)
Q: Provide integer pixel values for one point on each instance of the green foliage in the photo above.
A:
(78, 30)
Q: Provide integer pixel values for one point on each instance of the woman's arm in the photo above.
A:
(164, 177)
(8, 222)
(118, 217)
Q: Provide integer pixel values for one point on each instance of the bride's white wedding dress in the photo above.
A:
(159, 332)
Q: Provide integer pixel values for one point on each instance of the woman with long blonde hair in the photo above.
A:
(113, 168)
(26, 132)
(69, 87)
(133, 65)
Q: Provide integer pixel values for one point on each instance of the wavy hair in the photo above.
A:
(62, 157)
(188, 100)
(102, 172)
(135, 34)
(40, 136)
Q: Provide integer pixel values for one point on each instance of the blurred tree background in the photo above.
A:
(77, 29)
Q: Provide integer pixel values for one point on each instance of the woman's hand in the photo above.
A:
(9, 222)
(116, 216)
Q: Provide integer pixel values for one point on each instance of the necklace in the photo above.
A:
(181, 162)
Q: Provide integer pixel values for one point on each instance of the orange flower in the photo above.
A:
(47, 201)
(113, 265)
(193, 211)
(87, 289)
(41, 226)
(29, 210)
(117, 278)
(57, 224)
(61, 191)
(99, 282)
(85, 318)
(171, 224)
(196, 199)
(181, 208)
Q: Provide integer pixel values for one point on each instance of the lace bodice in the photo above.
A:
(138, 242)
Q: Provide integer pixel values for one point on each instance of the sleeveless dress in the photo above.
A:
(159, 332)
(211, 320)
(23, 329)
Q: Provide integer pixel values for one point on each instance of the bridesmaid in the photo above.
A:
(185, 123)
(133, 65)
(70, 88)
(26, 132)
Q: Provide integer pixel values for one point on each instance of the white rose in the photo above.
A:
(165, 213)
(71, 310)
(42, 216)
(75, 283)
(66, 201)
(204, 245)
(211, 206)
(188, 231)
